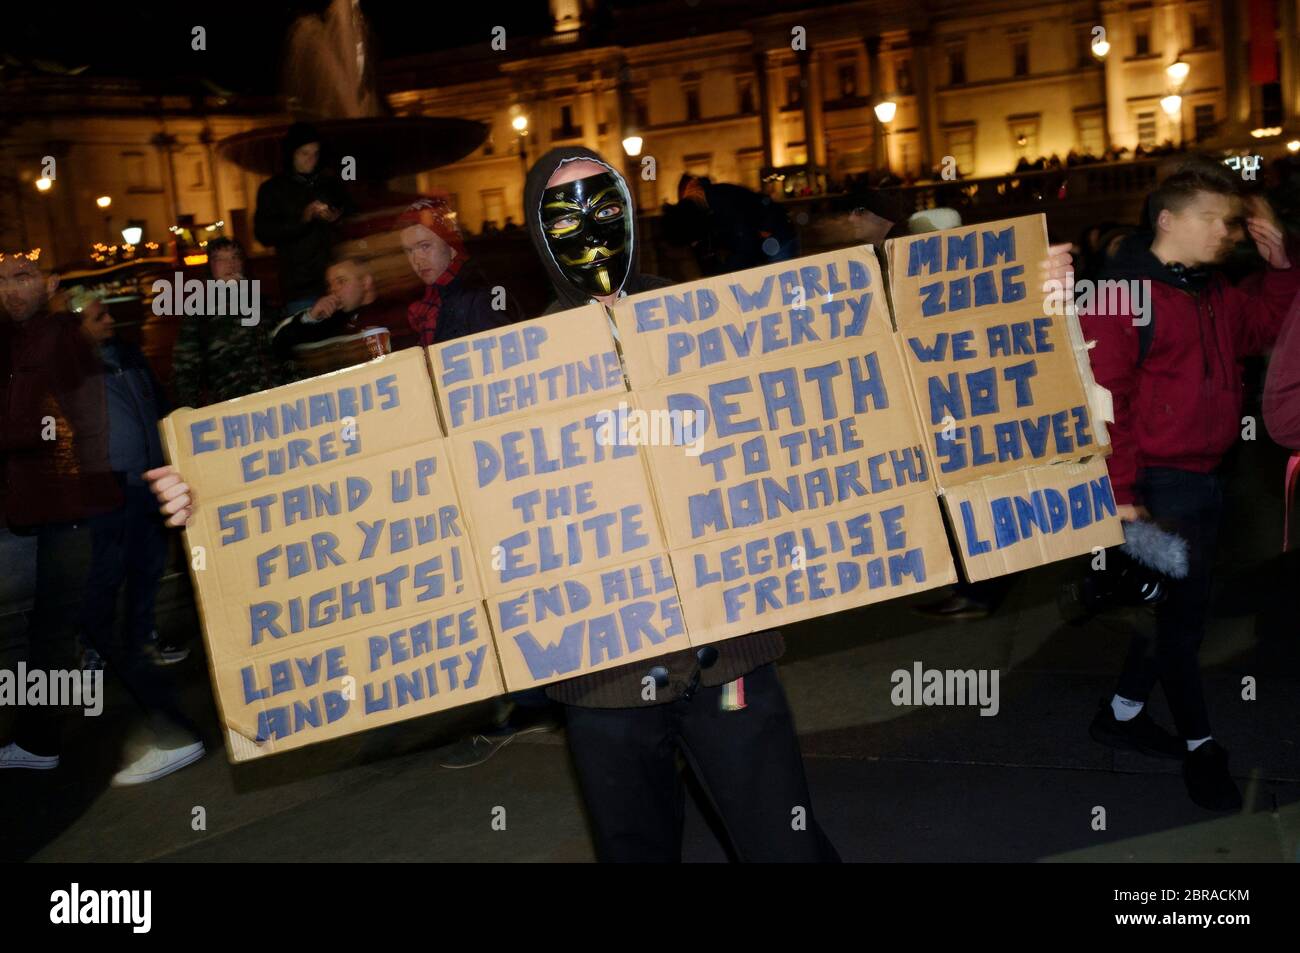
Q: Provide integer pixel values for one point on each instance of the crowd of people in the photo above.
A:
(1224, 269)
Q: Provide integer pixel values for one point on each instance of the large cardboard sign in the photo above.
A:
(335, 578)
(754, 450)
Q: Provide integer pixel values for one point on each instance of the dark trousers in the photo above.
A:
(122, 550)
(129, 555)
(62, 559)
(747, 760)
(1191, 505)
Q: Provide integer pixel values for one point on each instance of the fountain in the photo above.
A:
(329, 81)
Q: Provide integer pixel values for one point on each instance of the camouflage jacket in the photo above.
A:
(217, 358)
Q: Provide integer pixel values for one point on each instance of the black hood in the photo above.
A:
(567, 294)
(1134, 261)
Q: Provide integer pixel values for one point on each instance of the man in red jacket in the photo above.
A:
(1173, 367)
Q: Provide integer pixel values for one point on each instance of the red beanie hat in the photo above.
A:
(436, 215)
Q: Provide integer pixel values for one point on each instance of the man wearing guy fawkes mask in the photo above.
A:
(587, 223)
(722, 704)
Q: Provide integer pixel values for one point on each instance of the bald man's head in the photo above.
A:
(24, 289)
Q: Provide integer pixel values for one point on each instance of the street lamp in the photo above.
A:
(1100, 49)
(1293, 145)
(1177, 72)
(104, 201)
(885, 111)
(132, 234)
(43, 184)
(632, 146)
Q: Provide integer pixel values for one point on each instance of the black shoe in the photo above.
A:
(1205, 771)
(955, 606)
(166, 651)
(1139, 733)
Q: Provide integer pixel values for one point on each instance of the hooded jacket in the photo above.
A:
(1179, 404)
(303, 248)
(676, 673)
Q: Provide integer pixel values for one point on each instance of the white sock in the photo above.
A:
(1125, 709)
(1193, 744)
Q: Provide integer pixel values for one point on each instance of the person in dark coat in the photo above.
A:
(297, 214)
(723, 704)
(729, 227)
(456, 301)
(129, 551)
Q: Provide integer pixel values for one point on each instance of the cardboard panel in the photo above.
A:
(588, 622)
(822, 563)
(1019, 520)
(997, 381)
(525, 368)
(358, 535)
(777, 310)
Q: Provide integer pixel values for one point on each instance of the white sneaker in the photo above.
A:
(157, 763)
(12, 756)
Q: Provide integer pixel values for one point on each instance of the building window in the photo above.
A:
(749, 163)
(1202, 36)
(698, 164)
(640, 111)
(1024, 137)
(489, 144)
(494, 207)
(1142, 38)
(961, 146)
(746, 97)
(903, 77)
(1203, 121)
(137, 175)
(1090, 133)
(1146, 127)
(848, 74)
(692, 103)
(956, 65)
(1020, 58)
(567, 128)
(793, 92)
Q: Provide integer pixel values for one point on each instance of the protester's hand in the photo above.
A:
(315, 209)
(173, 493)
(1132, 513)
(330, 213)
(1057, 266)
(1269, 241)
(323, 308)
